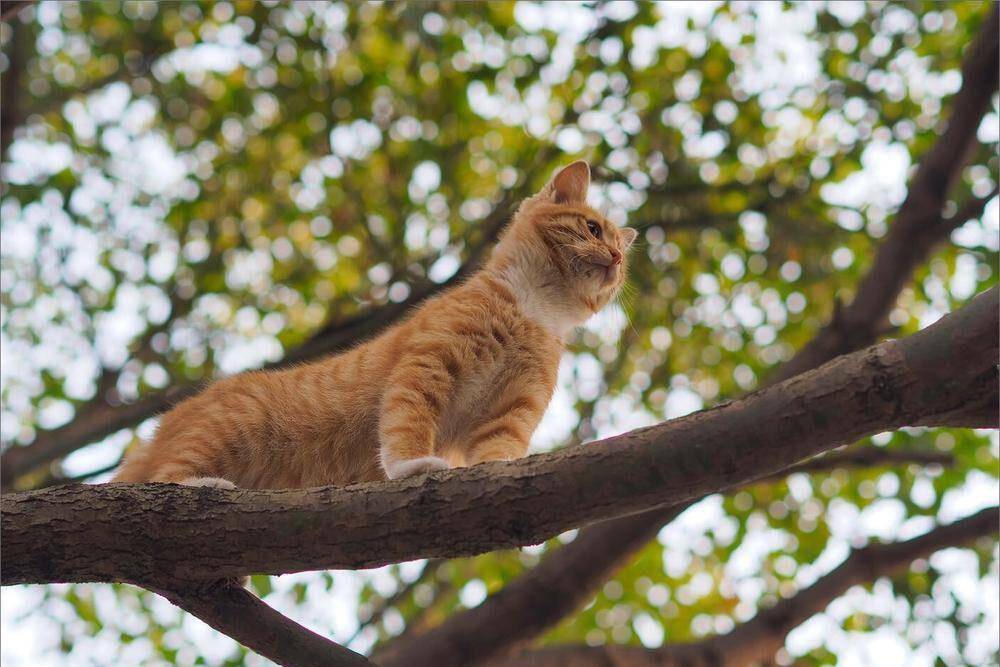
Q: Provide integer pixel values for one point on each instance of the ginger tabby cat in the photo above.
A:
(464, 379)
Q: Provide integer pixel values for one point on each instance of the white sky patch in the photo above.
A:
(881, 181)
(561, 416)
(682, 401)
(648, 629)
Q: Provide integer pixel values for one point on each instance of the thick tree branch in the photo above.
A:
(234, 611)
(757, 640)
(563, 581)
(918, 226)
(943, 375)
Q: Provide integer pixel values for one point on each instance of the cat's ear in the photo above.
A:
(569, 185)
(628, 237)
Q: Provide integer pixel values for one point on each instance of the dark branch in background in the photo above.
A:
(943, 375)
(563, 581)
(918, 226)
(611, 544)
(10, 86)
(234, 611)
(10, 8)
(757, 640)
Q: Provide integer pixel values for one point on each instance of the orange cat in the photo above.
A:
(464, 379)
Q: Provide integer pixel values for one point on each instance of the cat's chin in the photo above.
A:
(611, 276)
(606, 276)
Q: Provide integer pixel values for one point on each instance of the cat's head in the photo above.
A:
(565, 246)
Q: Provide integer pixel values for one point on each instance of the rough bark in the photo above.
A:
(943, 375)
(236, 612)
(918, 226)
(757, 640)
(562, 582)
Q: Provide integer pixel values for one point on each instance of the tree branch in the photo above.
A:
(234, 611)
(757, 640)
(918, 226)
(943, 375)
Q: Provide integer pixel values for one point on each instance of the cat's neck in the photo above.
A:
(544, 305)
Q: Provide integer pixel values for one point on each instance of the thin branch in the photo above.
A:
(971, 210)
(869, 457)
(918, 226)
(942, 375)
(234, 611)
(757, 640)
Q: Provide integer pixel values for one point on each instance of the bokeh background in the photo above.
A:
(192, 189)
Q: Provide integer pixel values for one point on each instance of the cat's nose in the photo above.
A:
(616, 257)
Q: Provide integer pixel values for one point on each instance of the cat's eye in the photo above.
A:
(594, 229)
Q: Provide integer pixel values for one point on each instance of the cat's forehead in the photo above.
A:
(568, 210)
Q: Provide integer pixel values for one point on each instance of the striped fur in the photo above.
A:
(464, 379)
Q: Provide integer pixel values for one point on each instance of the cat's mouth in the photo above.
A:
(606, 273)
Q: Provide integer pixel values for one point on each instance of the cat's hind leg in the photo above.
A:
(211, 482)
(410, 467)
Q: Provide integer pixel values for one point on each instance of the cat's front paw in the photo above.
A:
(411, 467)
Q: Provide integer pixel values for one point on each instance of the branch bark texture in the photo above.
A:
(943, 375)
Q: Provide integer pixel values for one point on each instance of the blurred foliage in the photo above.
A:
(196, 187)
